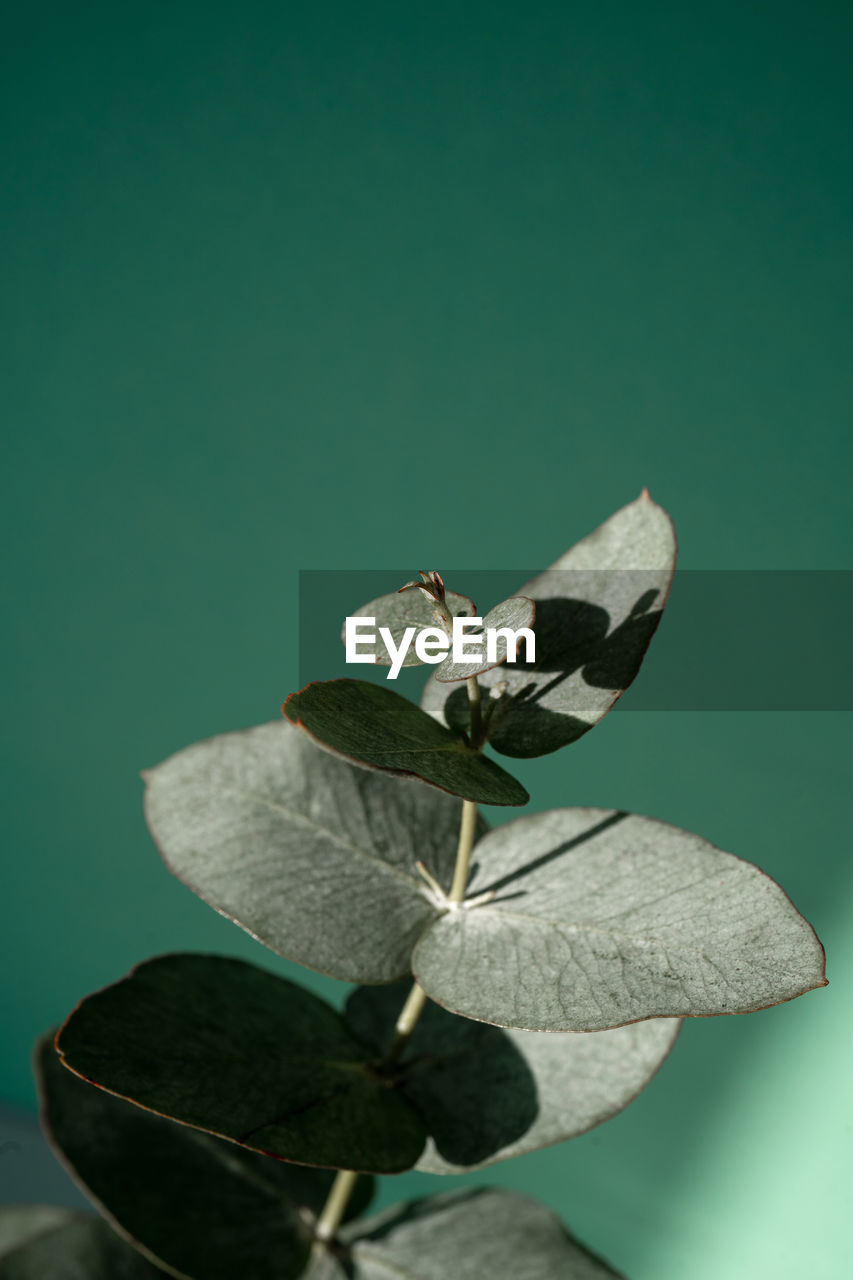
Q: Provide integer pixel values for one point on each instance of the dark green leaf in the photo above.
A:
(601, 918)
(486, 1094)
(78, 1248)
(374, 726)
(597, 608)
(201, 1206)
(402, 609)
(514, 613)
(470, 1235)
(227, 1048)
(285, 838)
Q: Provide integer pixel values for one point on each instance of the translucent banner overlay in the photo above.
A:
(728, 640)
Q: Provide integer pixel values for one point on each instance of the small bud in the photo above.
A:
(431, 586)
(438, 583)
(498, 690)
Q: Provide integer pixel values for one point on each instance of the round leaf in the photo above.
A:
(282, 838)
(376, 727)
(199, 1205)
(468, 1235)
(400, 610)
(597, 609)
(225, 1047)
(486, 1094)
(600, 918)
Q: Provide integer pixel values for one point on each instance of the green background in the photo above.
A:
(301, 286)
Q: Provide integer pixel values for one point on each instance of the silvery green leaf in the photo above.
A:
(516, 613)
(600, 918)
(373, 726)
(597, 608)
(75, 1247)
(328, 1265)
(486, 1094)
(400, 610)
(20, 1223)
(235, 1051)
(283, 838)
(470, 1235)
(195, 1204)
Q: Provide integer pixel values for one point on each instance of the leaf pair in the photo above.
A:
(595, 612)
(577, 919)
(229, 1049)
(198, 1207)
(467, 1234)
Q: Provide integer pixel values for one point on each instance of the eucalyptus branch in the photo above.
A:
(259, 824)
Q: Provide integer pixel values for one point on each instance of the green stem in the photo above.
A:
(335, 1206)
(406, 1023)
(467, 831)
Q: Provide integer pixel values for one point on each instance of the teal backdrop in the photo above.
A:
(348, 286)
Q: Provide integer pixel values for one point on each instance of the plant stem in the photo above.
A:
(335, 1206)
(467, 830)
(475, 704)
(406, 1023)
(344, 1184)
